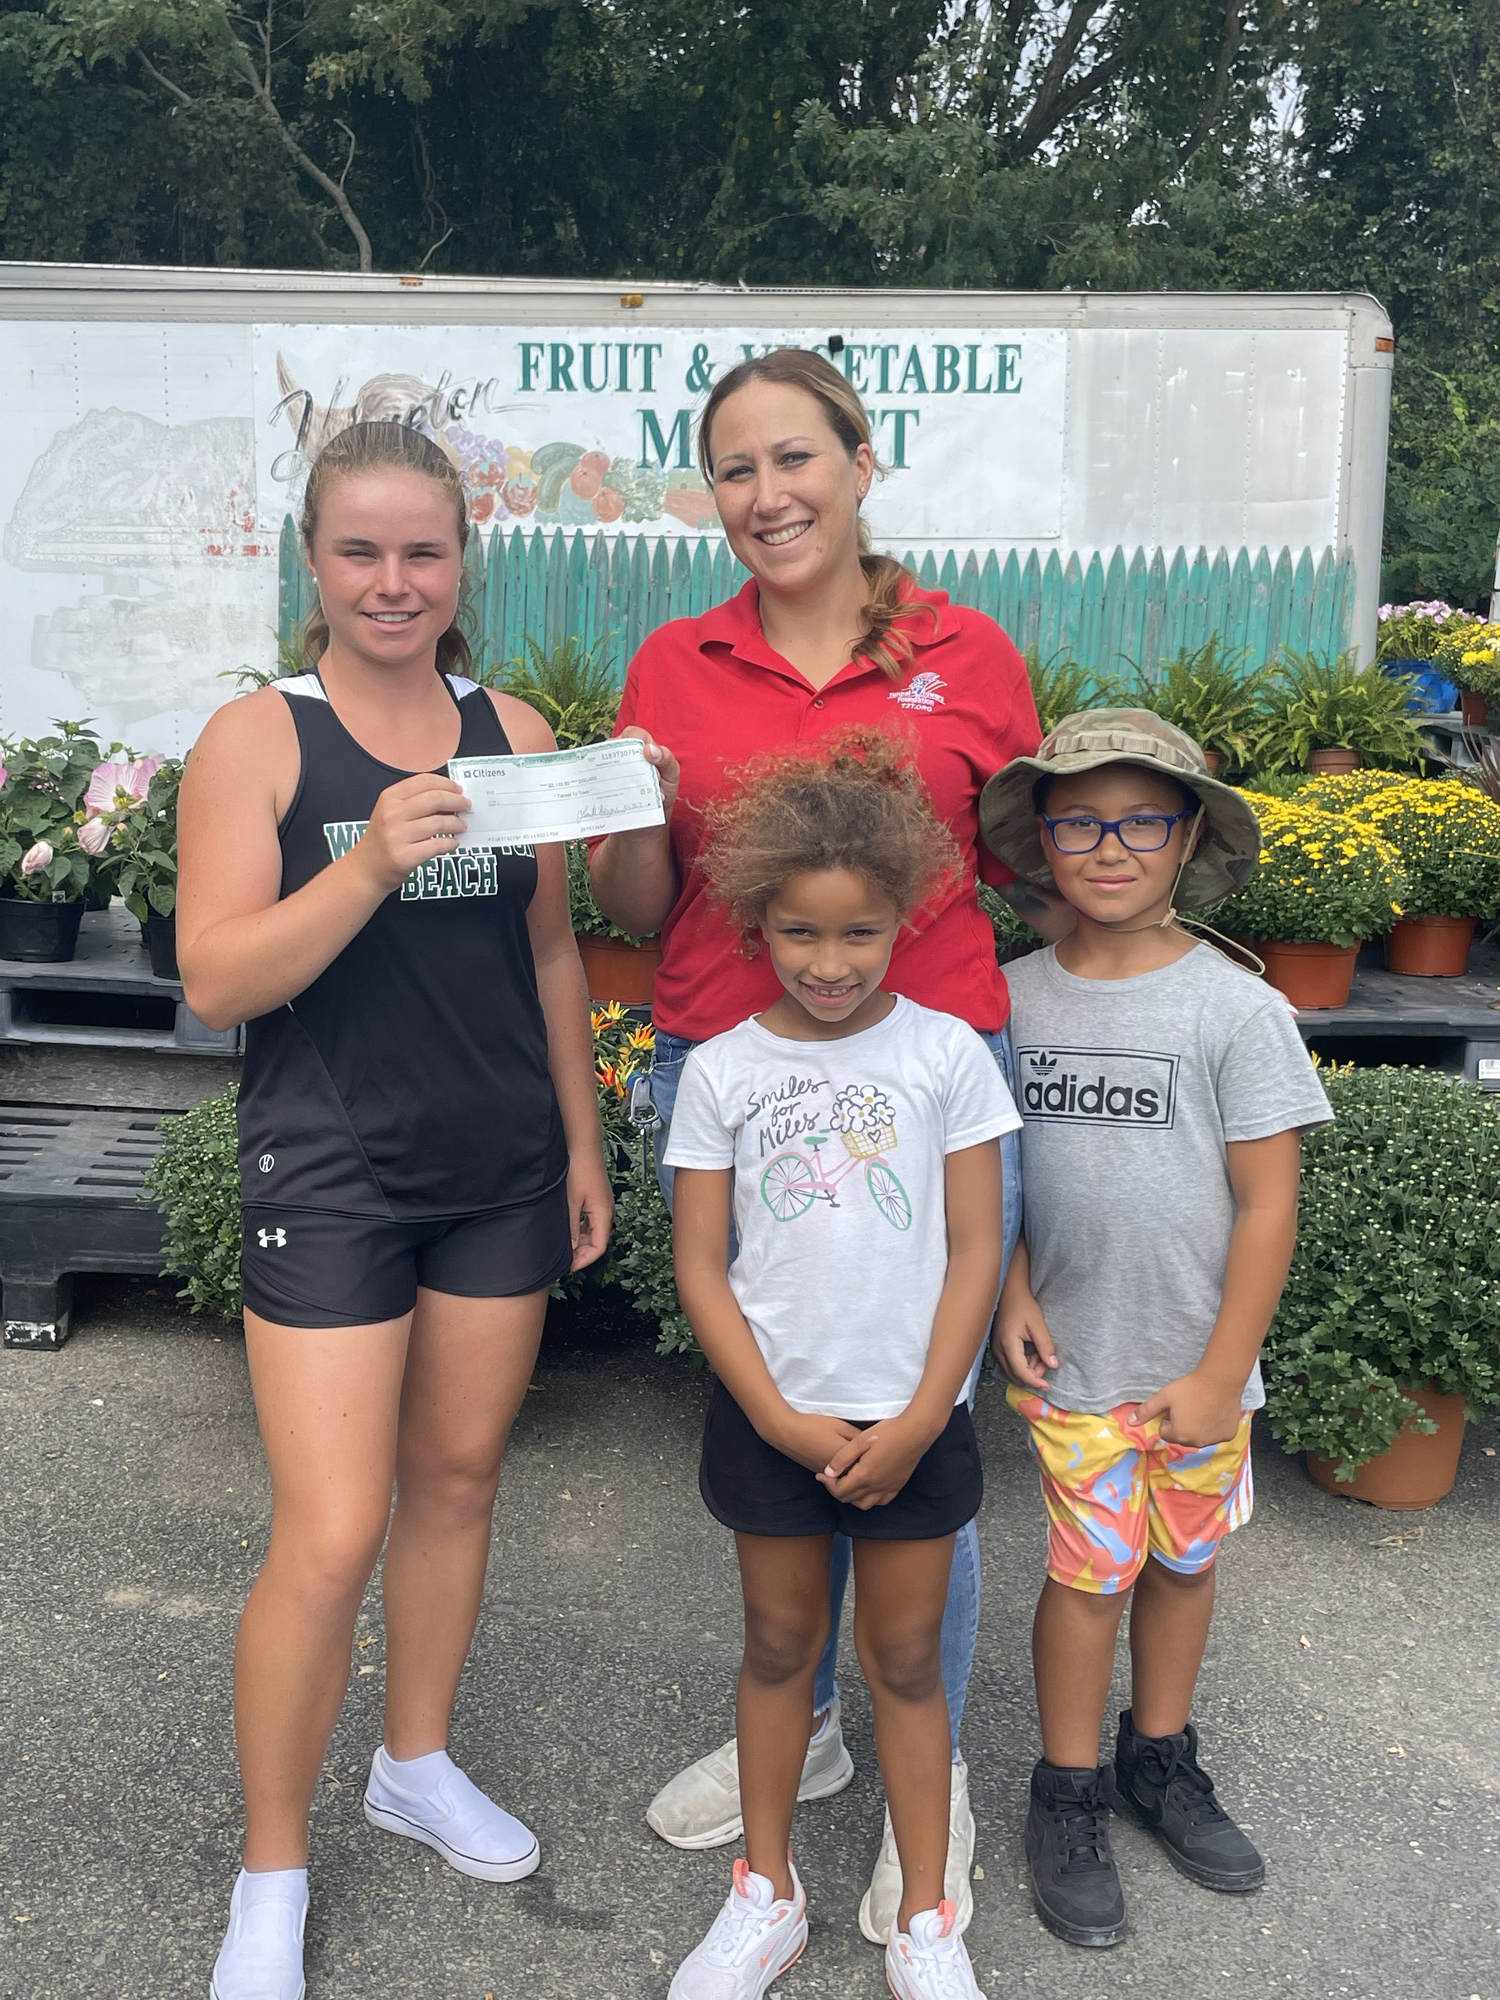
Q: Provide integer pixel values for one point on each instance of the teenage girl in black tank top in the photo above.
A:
(420, 1157)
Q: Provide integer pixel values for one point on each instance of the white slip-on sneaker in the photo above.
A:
(750, 1943)
(929, 1962)
(701, 1806)
(261, 1956)
(429, 1799)
(880, 1902)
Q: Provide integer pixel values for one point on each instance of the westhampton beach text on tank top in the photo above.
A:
(468, 873)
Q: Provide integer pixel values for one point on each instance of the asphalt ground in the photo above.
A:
(1349, 1711)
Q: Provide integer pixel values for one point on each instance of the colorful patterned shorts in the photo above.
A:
(1116, 1491)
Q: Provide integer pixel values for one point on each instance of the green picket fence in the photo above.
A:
(610, 591)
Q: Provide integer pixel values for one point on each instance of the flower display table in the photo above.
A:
(1395, 1018)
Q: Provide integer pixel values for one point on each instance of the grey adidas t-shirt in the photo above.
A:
(1130, 1090)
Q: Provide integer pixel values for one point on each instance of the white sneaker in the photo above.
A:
(429, 1799)
(881, 1901)
(750, 1944)
(701, 1806)
(929, 1962)
(261, 1956)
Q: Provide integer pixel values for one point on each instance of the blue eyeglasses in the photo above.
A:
(1142, 833)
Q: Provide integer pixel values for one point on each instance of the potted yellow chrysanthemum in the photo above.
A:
(1322, 885)
(1469, 654)
(1448, 837)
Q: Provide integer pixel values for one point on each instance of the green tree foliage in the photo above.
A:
(1347, 144)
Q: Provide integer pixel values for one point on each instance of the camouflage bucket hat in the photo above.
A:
(1230, 839)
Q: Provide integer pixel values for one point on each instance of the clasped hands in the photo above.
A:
(864, 1468)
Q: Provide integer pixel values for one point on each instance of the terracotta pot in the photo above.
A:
(616, 970)
(1310, 975)
(1430, 947)
(1213, 760)
(1336, 763)
(1419, 1468)
(1475, 708)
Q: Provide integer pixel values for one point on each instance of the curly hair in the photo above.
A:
(855, 802)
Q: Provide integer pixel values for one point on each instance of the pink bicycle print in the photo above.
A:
(793, 1182)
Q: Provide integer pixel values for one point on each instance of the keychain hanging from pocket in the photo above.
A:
(646, 1119)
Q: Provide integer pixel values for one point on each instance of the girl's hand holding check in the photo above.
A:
(411, 822)
(873, 1466)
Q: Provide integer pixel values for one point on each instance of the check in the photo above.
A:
(558, 794)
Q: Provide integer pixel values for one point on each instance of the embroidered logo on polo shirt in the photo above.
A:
(920, 693)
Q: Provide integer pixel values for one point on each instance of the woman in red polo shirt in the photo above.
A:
(824, 635)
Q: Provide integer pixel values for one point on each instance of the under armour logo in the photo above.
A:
(272, 1239)
(266, 1162)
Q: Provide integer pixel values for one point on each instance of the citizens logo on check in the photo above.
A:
(1098, 1087)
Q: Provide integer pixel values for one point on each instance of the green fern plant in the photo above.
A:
(1062, 685)
(1211, 695)
(571, 684)
(1322, 702)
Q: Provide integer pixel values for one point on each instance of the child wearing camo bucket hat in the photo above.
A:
(1163, 1092)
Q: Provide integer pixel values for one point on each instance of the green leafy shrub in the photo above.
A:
(1396, 1277)
(1211, 695)
(195, 1181)
(1317, 703)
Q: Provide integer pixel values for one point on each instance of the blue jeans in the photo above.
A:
(961, 1613)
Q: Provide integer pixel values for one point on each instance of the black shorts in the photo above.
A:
(757, 1490)
(305, 1267)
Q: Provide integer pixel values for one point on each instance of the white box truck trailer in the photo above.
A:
(1118, 474)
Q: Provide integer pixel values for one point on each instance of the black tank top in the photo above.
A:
(410, 1080)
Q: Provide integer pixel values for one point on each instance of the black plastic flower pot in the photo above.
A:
(43, 933)
(161, 938)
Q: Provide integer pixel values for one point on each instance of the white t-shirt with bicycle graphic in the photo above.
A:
(838, 1150)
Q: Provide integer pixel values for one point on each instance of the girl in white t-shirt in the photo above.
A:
(848, 1138)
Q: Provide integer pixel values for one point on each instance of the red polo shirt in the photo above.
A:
(713, 691)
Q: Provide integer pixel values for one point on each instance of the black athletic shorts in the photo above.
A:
(305, 1267)
(757, 1490)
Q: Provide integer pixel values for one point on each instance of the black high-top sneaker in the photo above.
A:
(1158, 1782)
(1074, 1882)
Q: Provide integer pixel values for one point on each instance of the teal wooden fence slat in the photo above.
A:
(1112, 613)
(1234, 630)
(1029, 636)
(1090, 645)
(1258, 621)
(1107, 609)
(1009, 613)
(1132, 646)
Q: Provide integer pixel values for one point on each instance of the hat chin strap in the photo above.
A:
(1192, 927)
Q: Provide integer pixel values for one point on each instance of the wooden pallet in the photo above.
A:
(70, 1200)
